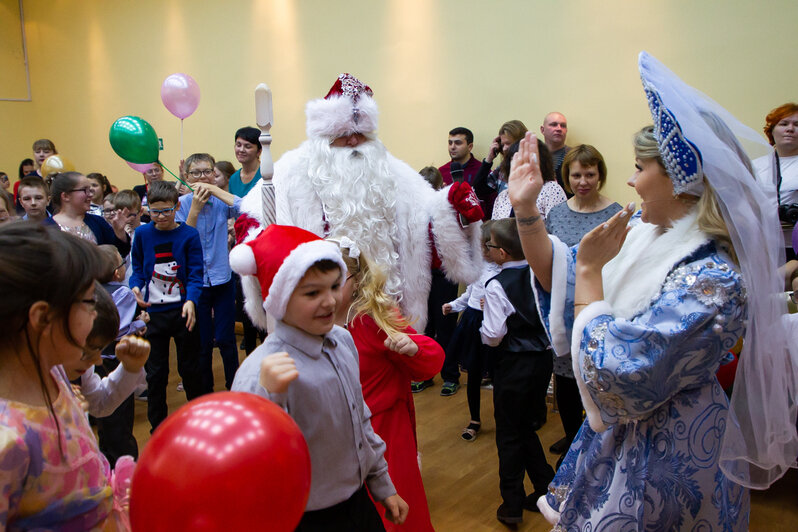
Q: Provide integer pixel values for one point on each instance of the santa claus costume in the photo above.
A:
(373, 198)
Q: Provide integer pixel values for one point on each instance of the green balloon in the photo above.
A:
(134, 140)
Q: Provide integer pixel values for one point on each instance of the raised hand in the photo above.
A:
(277, 371)
(525, 180)
(446, 309)
(603, 243)
(132, 352)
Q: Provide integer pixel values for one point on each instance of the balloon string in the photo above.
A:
(173, 175)
(181, 139)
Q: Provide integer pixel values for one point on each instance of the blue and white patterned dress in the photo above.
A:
(647, 456)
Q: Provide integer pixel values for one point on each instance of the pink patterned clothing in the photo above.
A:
(551, 194)
(42, 488)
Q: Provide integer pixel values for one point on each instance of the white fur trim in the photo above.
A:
(559, 287)
(634, 277)
(460, 248)
(253, 301)
(550, 514)
(242, 260)
(597, 308)
(416, 205)
(334, 117)
(294, 267)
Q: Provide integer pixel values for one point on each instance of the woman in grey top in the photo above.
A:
(584, 174)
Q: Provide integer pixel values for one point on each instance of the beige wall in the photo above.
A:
(433, 65)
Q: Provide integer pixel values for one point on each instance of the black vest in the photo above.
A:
(524, 330)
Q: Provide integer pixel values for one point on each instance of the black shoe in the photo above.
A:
(507, 517)
(531, 501)
(449, 388)
(420, 386)
(561, 446)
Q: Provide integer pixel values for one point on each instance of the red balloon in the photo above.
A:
(224, 461)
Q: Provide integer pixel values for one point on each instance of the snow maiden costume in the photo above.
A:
(662, 448)
(369, 196)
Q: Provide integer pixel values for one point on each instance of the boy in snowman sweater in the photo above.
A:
(167, 273)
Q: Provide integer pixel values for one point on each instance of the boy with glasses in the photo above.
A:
(208, 209)
(167, 281)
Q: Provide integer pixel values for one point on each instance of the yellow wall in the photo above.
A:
(432, 65)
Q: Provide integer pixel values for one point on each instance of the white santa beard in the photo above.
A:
(358, 194)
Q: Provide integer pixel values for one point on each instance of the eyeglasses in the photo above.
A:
(86, 190)
(201, 173)
(492, 246)
(121, 265)
(165, 212)
(154, 171)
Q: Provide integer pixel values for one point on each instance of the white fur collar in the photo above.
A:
(634, 277)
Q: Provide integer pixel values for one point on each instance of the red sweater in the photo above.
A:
(385, 377)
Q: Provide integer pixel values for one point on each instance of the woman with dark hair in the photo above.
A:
(550, 195)
(779, 170)
(247, 148)
(71, 201)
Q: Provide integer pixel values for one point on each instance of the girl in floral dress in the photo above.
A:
(52, 475)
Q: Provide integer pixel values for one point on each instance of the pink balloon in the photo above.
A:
(140, 168)
(180, 94)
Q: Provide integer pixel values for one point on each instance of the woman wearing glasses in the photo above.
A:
(71, 197)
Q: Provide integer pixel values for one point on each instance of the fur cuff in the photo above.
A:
(593, 310)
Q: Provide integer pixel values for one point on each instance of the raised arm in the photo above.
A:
(524, 185)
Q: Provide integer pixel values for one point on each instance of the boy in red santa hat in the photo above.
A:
(308, 366)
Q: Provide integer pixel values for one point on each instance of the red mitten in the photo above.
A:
(465, 202)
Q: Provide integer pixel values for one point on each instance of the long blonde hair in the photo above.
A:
(370, 297)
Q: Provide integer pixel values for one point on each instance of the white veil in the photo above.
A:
(760, 441)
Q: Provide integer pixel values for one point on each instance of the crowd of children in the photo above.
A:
(162, 261)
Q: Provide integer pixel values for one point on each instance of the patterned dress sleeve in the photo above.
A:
(631, 367)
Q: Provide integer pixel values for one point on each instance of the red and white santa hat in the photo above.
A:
(276, 260)
(348, 108)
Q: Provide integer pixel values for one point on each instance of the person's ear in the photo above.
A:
(470, 146)
(39, 315)
(541, 130)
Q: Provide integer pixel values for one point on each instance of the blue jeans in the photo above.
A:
(216, 322)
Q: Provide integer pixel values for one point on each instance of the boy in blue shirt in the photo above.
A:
(309, 367)
(167, 280)
(208, 208)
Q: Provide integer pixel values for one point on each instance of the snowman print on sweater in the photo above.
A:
(164, 286)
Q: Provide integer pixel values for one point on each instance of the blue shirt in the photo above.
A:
(237, 188)
(212, 228)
